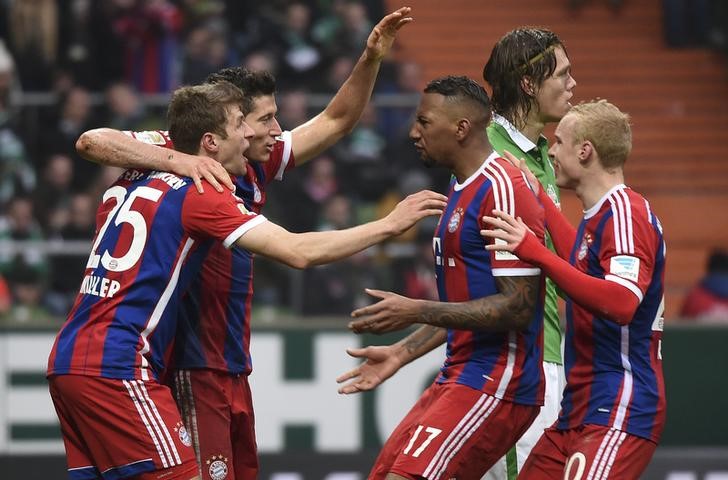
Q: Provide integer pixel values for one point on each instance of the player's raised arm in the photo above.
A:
(302, 250)
(345, 109)
(110, 147)
(381, 362)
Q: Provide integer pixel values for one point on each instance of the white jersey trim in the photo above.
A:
(597, 206)
(459, 186)
(287, 139)
(459, 435)
(627, 284)
(515, 272)
(161, 306)
(243, 229)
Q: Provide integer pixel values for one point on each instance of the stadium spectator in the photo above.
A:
(149, 34)
(27, 288)
(708, 300)
(126, 111)
(17, 175)
(20, 225)
(301, 60)
(490, 388)
(51, 198)
(530, 76)
(220, 297)
(204, 120)
(65, 268)
(33, 33)
(74, 116)
(612, 269)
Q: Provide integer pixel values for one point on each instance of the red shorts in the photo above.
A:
(217, 409)
(590, 451)
(453, 431)
(121, 428)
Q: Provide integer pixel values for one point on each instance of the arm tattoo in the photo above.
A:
(423, 340)
(511, 308)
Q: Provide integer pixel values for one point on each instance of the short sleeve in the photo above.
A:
(628, 249)
(218, 215)
(281, 158)
(511, 194)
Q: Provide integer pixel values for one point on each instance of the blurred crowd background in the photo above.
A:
(70, 65)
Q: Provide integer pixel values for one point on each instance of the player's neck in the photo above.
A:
(594, 185)
(469, 161)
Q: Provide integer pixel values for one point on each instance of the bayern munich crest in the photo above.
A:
(584, 247)
(454, 222)
(217, 467)
(257, 196)
(183, 434)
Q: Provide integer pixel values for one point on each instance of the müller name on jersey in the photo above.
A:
(99, 286)
(169, 178)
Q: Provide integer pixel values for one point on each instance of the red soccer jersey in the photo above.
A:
(214, 328)
(506, 365)
(152, 228)
(614, 372)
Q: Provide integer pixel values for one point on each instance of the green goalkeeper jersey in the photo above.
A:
(504, 136)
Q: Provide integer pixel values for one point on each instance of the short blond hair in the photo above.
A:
(607, 128)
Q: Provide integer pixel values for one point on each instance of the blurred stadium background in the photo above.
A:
(70, 65)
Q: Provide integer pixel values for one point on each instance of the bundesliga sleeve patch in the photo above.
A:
(625, 266)
(154, 138)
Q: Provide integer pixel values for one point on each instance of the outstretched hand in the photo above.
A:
(381, 363)
(414, 208)
(382, 37)
(508, 231)
(520, 163)
(391, 313)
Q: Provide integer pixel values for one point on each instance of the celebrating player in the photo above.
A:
(491, 385)
(612, 270)
(212, 355)
(530, 77)
(154, 232)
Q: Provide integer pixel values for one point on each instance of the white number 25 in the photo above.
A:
(123, 213)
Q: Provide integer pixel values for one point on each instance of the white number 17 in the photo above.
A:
(434, 432)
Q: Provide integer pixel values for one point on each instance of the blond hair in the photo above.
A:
(607, 128)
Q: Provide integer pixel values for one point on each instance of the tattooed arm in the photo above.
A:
(383, 361)
(510, 309)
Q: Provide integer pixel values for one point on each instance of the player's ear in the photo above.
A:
(463, 128)
(527, 85)
(209, 142)
(585, 152)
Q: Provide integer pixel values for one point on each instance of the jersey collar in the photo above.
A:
(518, 138)
(598, 206)
(459, 186)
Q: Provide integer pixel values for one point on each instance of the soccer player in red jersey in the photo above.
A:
(491, 386)
(153, 235)
(612, 270)
(212, 358)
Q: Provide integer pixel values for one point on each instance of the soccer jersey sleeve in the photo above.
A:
(220, 215)
(281, 158)
(153, 137)
(511, 194)
(628, 249)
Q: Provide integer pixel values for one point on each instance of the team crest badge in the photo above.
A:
(584, 247)
(217, 467)
(257, 196)
(454, 222)
(183, 434)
